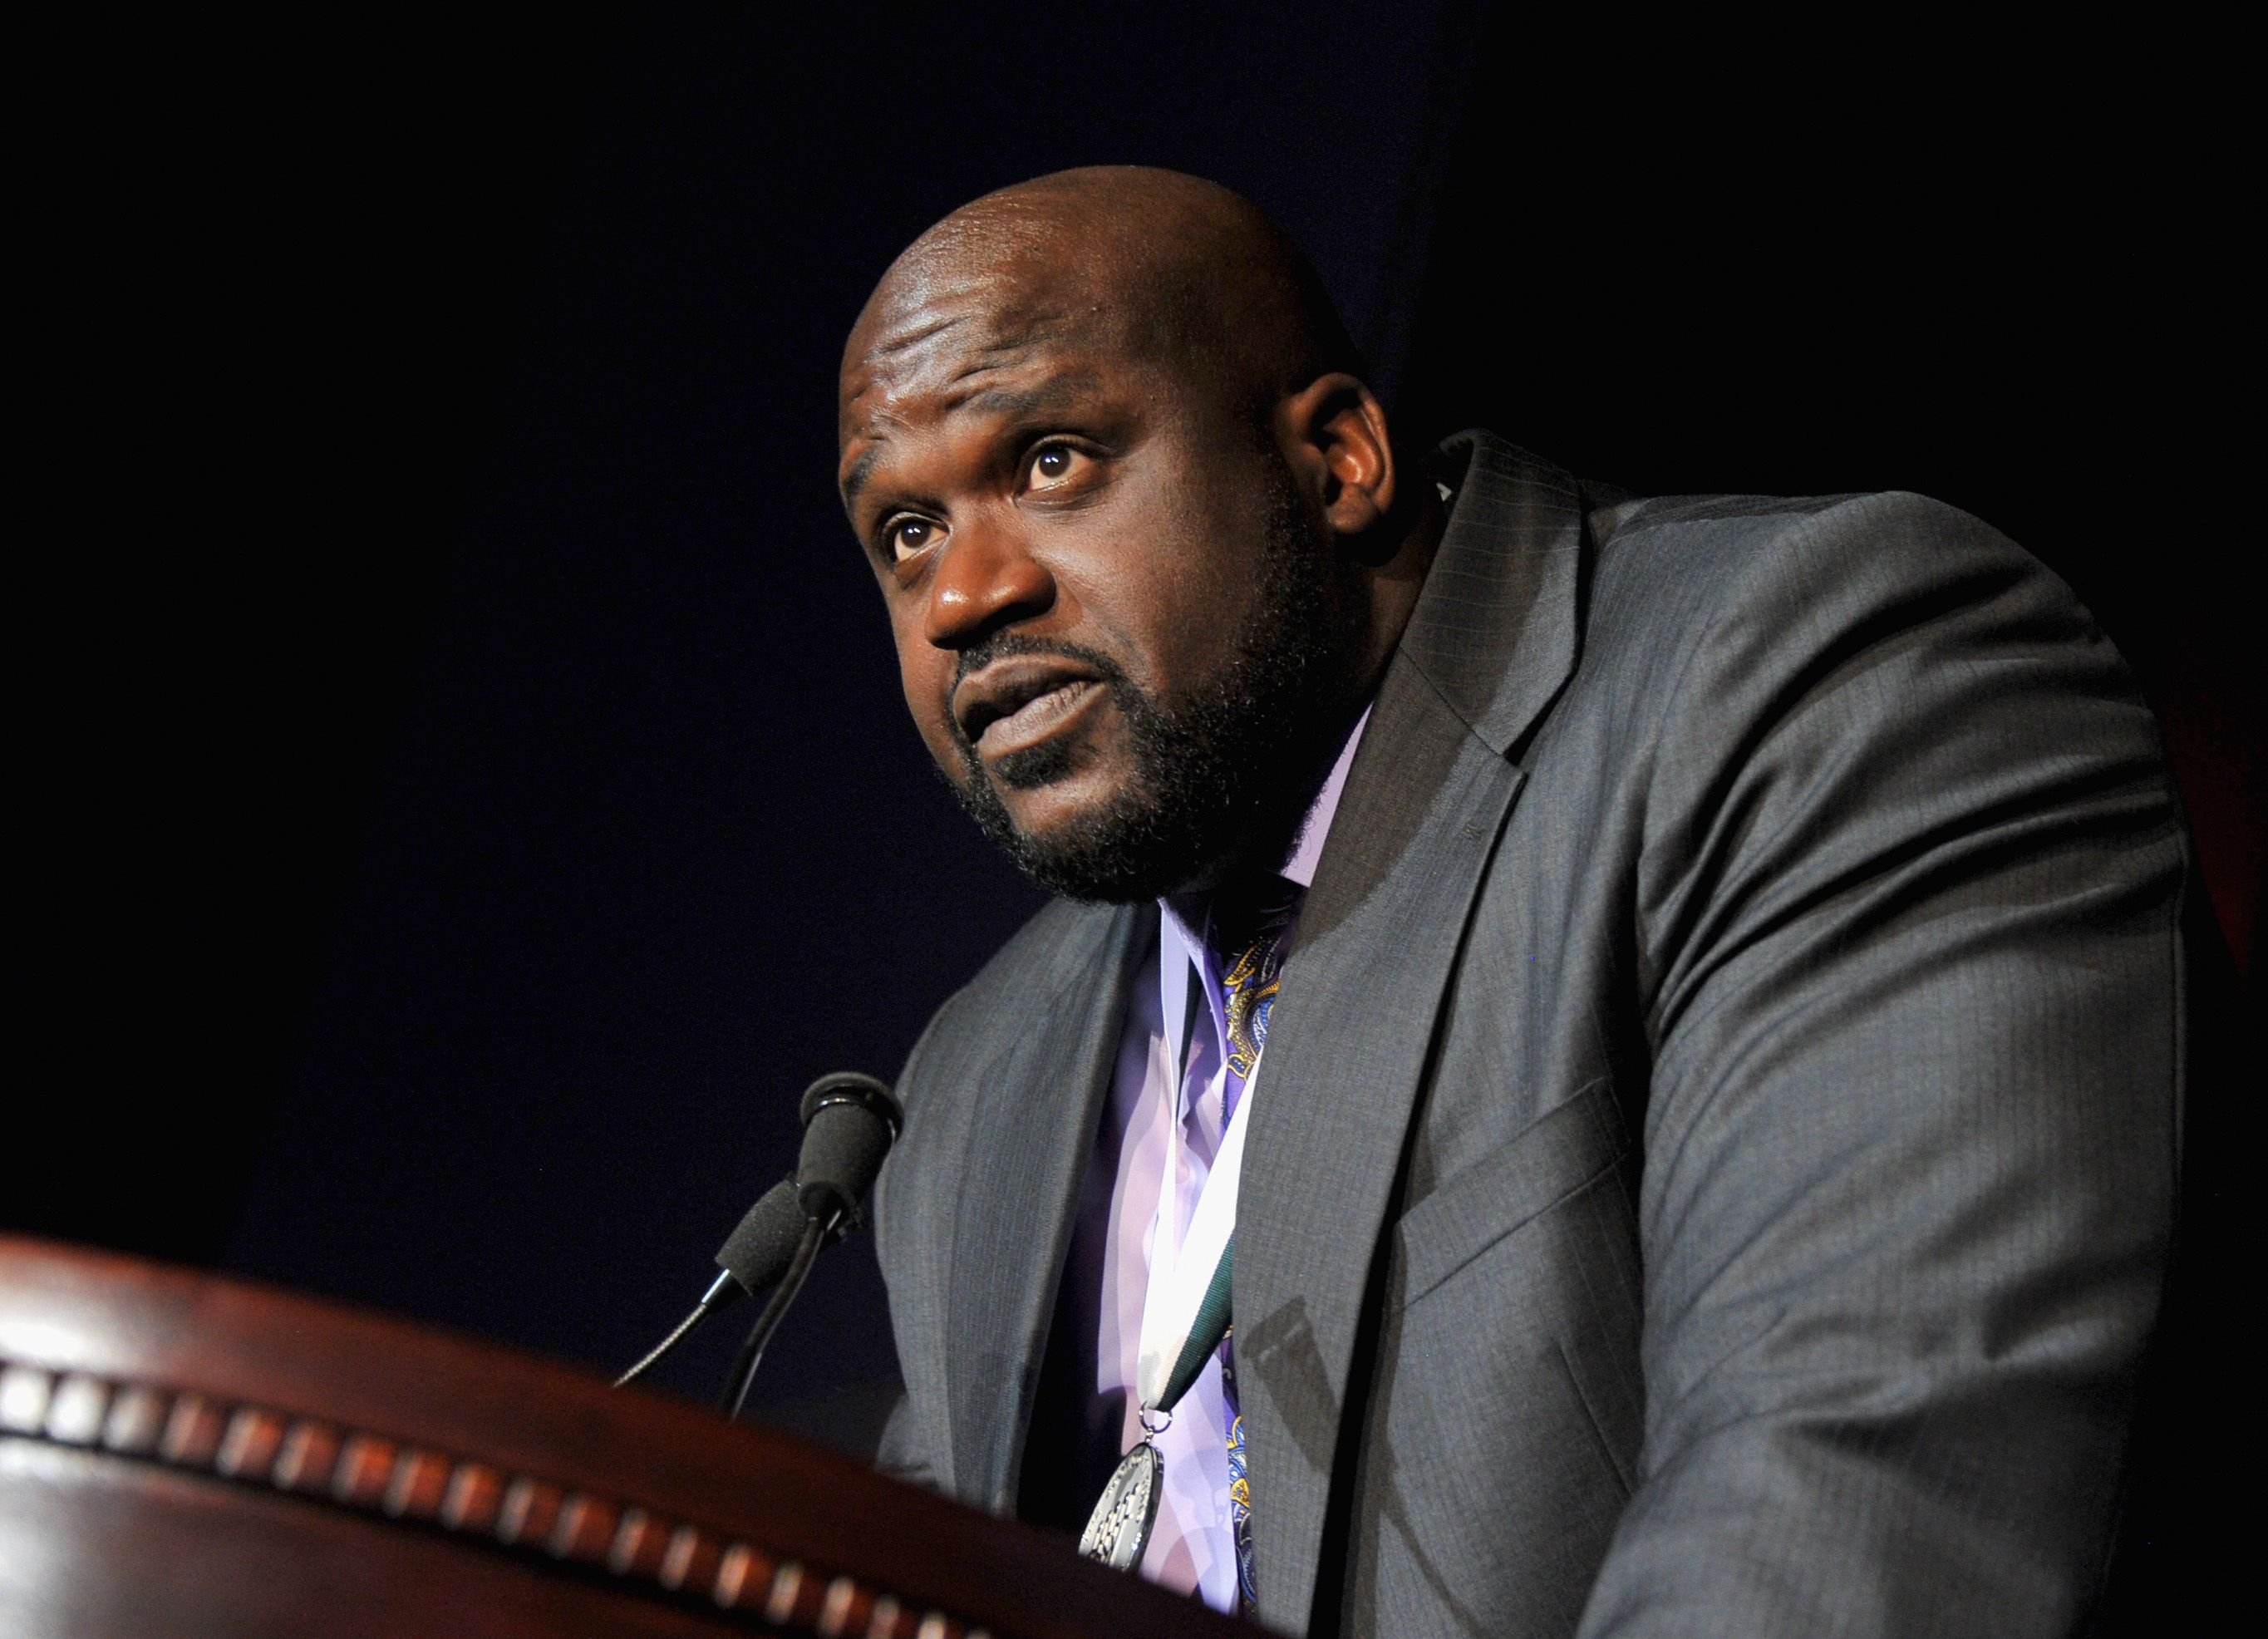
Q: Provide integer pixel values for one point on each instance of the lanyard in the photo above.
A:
(1185, 1315)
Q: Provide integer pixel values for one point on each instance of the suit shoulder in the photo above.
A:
(1696, 561)
(1061, 944)
(1737, 528)
(1060, 941)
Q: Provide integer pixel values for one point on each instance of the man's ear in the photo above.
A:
(1333, 432)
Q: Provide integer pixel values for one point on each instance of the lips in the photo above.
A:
(1019, 701)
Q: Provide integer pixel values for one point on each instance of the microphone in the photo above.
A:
(759, 1250)
(850, 1121)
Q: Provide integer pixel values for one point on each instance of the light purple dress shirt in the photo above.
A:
(1171, 1073)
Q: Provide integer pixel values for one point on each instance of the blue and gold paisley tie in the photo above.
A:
(1250, 923)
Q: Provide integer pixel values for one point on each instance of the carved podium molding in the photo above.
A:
(375, 1474)
(186, 1454)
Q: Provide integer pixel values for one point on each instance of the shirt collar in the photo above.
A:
(1182, 947)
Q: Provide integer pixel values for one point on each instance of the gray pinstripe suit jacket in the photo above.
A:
(1715, 1169)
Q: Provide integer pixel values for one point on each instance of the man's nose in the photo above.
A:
(987, 579)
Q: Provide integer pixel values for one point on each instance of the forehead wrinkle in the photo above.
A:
(1008, 321)
(1051, 393)
(886, 375)
(1009, 318)
(877, 401)
(898, 341)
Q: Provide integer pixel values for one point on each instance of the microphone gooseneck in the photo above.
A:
(850, 1122)
(654, 1357)
(743, 1375)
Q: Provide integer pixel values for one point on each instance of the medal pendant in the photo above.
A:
(1119, 1529)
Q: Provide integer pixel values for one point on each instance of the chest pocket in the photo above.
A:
(1551, 1160)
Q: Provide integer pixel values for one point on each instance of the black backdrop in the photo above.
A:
(473, 797)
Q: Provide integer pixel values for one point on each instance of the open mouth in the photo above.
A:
(1015, 704)
(1033, 719)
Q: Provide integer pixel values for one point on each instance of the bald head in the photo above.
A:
(1134, 519)
(1159, 267)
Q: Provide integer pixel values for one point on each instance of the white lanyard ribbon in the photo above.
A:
(1178, 1279)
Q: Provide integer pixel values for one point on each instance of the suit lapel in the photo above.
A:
(1496, 630)
(1030, 1141)
(1491, 642)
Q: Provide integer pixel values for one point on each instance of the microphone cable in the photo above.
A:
(752, 1352)
(653, 1356)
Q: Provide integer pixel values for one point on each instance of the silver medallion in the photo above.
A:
(1119, 1529)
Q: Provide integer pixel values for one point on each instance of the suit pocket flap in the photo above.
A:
(1524, 1177)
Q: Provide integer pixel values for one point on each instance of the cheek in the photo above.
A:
(1158, 595)
(1185, 607)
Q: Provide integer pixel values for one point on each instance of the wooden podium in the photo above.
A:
(182, 1454)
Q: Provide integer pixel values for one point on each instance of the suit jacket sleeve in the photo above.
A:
(1911, 969)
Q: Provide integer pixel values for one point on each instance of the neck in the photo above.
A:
(1395, 583)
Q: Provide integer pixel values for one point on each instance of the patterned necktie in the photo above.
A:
(1249, 925)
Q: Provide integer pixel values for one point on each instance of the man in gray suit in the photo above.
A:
(1718, 976)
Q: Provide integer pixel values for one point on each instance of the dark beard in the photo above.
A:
(1224, 775)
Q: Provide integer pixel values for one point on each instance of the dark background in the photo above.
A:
(471, 797)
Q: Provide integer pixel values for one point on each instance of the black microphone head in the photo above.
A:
(758, 1252)
(850, 1121)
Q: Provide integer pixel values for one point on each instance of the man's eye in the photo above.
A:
(1054, 463)
(909, 535)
